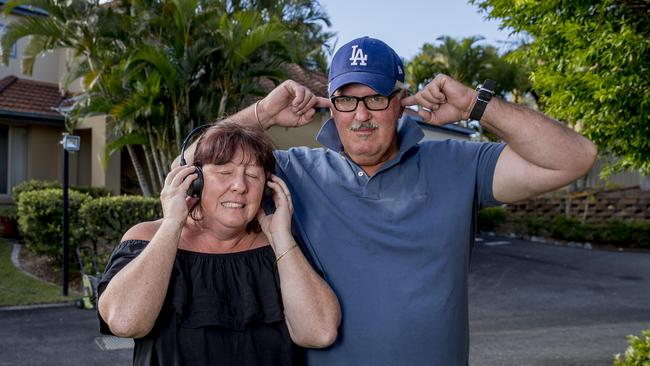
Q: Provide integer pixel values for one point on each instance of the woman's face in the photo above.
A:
(232, 192)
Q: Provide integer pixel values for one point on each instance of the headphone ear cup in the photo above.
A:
(268, 205)
(197, 185)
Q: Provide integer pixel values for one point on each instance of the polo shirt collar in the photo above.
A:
(408, 131)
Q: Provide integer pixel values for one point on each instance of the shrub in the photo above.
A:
(530, 225)
(8, 224)
(40, 214)
(37, 185)
(628, 233)
(93, 192)
(568, 228)
(32, 185)
(106, 219)
(633, 234)
(492, 217)
(637, 353)
(640, 234)
(9, 212)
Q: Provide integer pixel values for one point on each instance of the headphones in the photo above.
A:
(197, 185)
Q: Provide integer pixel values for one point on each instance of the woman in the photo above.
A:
(222, 283)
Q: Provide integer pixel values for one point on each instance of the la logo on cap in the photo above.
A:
(358, 55)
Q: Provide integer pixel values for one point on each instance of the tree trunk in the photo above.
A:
(142, 180)
(222, 105)
(166, 158)
(151, 168)
(177, 129)
(160, 175)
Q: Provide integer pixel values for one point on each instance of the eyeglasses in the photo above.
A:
(377, 102)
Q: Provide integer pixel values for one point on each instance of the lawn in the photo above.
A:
(16, 288)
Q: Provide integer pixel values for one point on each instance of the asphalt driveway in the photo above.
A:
(535, 304)
(530, 304)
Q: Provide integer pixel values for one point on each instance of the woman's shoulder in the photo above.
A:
(142, 231)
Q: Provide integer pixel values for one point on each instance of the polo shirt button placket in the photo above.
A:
(360, 174)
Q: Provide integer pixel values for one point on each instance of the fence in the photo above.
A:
(623, 204)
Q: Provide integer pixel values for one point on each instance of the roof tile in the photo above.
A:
(29, 96)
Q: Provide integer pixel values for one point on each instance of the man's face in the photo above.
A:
(369, 138)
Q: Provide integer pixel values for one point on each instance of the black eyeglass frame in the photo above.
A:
(363, 99)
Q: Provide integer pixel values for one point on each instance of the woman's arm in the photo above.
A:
(311, 309)
(132, 300)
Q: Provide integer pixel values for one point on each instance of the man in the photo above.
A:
(388, 221)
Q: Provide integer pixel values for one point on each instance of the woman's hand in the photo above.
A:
(173, 197)
(277, 225)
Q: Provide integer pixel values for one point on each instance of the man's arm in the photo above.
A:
(542, 154)
(288, 105)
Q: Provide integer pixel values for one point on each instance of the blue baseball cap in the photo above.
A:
(366, 61)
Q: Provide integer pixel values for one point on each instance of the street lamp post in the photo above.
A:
(70, 143)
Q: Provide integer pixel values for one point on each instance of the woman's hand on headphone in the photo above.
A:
(173, 197)
(278, 224)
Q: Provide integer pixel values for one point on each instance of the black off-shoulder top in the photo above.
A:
(220, 309)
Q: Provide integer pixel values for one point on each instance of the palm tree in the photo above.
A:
(463, 60)
(97, 36)
(157, 67)
(250, 48)
(470, 63)
(204, 57)
(305, 20)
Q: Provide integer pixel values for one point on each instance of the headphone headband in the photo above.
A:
(187, 140)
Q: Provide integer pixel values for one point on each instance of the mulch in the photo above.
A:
(45, 268)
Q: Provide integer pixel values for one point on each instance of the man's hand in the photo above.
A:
(289, 105)
(442, 101)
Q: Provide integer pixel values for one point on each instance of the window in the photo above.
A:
(4, 162)
(3, 29)
(13, 157)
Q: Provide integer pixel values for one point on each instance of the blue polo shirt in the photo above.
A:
(394, 247)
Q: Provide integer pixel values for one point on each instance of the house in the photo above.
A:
(31, 126)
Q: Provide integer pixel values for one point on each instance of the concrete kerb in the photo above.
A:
(564, 243)
(36, 306)
(15, 260)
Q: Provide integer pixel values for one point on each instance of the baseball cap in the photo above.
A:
(366, 61)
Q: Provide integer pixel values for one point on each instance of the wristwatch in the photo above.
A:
(485, 93)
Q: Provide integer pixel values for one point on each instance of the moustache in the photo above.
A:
(364, 125)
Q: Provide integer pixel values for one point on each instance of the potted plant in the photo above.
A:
(8, 224)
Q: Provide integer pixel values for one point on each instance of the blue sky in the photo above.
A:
(407, 24)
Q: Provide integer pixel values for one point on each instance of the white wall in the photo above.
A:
(46, 68)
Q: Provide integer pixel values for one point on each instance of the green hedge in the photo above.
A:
(491, 218)
(37, 185)
(637, 353)
(32, 185)
(623, 233)
(40, 215)
(106, 219)
(9, 212)
(96, 224)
